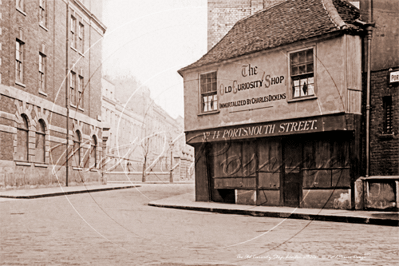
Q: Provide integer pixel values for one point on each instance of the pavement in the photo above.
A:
(60, 191)
(187, 202)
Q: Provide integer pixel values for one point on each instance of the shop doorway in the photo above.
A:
(292, 174)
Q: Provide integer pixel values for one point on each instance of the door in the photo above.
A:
(292, 176)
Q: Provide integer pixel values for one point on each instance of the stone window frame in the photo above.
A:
(205, 94)
(43, 13)
(80, 91)
(94, 148)
(19, 62)
(40, 131)
(73, 32)
(77, 149)
(22, 125)
(310, 75)
(387, 115)
(20, 6)
(81, 28)
(72, 88)
(42, 72)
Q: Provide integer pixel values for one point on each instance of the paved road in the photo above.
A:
(118, 228)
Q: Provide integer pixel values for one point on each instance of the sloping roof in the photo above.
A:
(287, 22)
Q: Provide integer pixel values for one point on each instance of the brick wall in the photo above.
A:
(17, 98)
(223, 14)
(384, 149)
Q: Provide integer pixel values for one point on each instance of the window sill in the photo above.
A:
(81, 54)
(42, 165)
(20, 84)
(72, 105)
(43, 27)
(22, 12)
(77, 169)
(73, 48)
(386, 136)
(209, 113)
(93, 170)
(302, 99)
(81, 109)
(22, 163)
(43, 93)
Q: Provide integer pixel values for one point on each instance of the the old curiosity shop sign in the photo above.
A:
(265, 81)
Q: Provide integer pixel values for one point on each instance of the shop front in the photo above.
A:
(298, 163)
(274, 112)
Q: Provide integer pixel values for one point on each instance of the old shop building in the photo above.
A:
(49, 48)
(273, 110)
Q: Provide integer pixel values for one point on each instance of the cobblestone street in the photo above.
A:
(119, 228)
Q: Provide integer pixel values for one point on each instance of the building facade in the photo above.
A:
(273, 114)
(142, 136)
(50, 66)
(380, 105)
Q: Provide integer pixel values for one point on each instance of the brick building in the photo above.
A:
(380, 104)
(50, 50)
(141, 135)
(223, 14)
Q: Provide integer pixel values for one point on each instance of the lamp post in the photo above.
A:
(171, 162)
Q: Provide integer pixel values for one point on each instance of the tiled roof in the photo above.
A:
(287, 22)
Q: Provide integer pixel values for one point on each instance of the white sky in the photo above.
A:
(151, 40)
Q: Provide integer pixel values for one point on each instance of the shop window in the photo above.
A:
(387, 106)
(23, 140)
(19, 77)
(42, 13)
(302, 73)
(72, 85)
(209, 97)
(73, 32)
(42, 72)
(76, 149)
(40, 147)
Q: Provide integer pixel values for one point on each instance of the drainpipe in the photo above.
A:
(369, 36)
(66, 97)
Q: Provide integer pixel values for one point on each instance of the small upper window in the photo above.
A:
(73, 32)
(387, 106)
(20, 5)
(302, 73)
(209, 97)
(42, 72)
(81, 34)
(72, 85)
(42, 13)
(19, 77)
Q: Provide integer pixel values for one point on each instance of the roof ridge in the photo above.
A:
(333, 14)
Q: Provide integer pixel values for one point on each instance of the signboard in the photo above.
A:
(242, 87)
(394, 77)
(268, 129)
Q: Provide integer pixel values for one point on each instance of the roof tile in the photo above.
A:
(287, 22)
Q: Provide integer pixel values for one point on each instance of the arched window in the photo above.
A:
(22, 139)
(93, 152)
(40, 143)
(76, 149)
